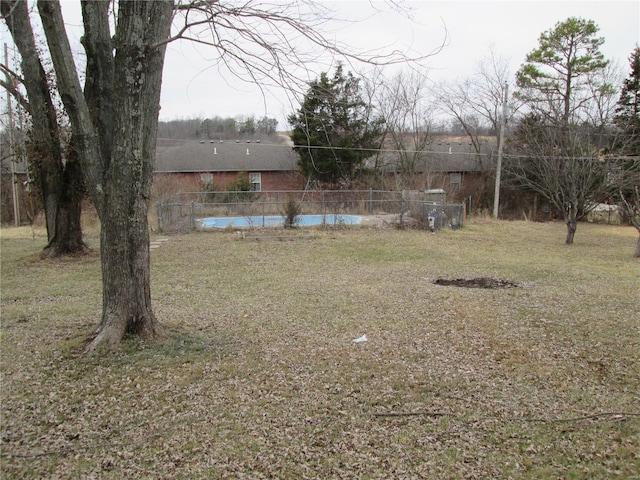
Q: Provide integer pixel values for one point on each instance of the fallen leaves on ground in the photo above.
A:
(260, 377)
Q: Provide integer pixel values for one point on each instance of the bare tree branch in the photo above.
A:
(273, 44)
(15, 93)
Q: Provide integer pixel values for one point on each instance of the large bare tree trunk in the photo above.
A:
(125, 230)
(570, 218)
(572, 226)
(59, 183)
(115, 128)
(67, 238)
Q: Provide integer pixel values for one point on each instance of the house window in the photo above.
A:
(206, 178)
(454, 180)
(256, 181)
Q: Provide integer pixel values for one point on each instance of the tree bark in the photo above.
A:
(99, 72)
(571, 211)
(67, 239)
(116, 145)
(572, 226)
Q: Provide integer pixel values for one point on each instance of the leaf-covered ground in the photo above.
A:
(260, 377)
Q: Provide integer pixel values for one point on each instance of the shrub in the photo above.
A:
(291, 212)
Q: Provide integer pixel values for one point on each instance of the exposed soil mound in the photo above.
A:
(480, 282)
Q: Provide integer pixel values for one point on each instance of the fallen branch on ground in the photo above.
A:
(513, 419)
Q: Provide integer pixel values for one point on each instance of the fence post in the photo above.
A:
(464, 213)
(193, 216)
(160, 219)
(371, 200)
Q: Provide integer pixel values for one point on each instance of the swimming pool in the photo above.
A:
(278, 221)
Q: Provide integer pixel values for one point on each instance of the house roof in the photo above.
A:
(183, 156)
(442, 154)
(446, 154)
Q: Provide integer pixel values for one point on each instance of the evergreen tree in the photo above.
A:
(334, 129)
(553, 82)
(627, 143)
(627, 117)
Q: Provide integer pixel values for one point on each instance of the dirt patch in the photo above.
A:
(479, 282)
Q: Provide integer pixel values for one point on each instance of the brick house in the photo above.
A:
(449, 163)
(270, 163)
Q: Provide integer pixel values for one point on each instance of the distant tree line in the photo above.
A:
(217, 127)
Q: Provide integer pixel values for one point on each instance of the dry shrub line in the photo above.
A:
(512, 419)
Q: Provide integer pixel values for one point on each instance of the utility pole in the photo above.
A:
(503, 122)
(14, 178)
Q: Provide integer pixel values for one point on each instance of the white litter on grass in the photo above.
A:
(363, 338)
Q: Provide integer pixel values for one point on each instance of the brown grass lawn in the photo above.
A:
(259, 377)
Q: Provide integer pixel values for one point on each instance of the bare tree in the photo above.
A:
(476, 101)
(57, 176)
(563, 168)
(477, 105)
(114, 118)
(404, 103)
(573, 166)
(114, 122)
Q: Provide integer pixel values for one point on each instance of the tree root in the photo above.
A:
(110, 333)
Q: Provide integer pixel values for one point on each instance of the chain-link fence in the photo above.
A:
(185, 211)
(437, 215)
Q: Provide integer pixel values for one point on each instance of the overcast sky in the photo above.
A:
(194, 87)
(510, 28)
